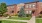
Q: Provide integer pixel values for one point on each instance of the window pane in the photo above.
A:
(30, 12)
(33, 6)
(30, 6)
(26, 5)
(26, 12)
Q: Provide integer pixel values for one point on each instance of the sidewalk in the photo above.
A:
(15, 20)
(32, 20)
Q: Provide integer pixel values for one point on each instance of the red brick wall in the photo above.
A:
(37, 8)
(11, 8)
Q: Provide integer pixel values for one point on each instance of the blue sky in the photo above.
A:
(9, 2)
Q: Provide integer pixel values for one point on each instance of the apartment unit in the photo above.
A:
(33, 7)
(11, 9)
(14, 9)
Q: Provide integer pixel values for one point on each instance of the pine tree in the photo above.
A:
(21, 13)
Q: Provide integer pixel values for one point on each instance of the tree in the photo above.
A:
(3, 8)
(21, 13)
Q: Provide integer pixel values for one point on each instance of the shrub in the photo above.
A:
(28, 15)
(5, 15)
(0, 15)
(16, 14)
(39, 16)
(19, 15)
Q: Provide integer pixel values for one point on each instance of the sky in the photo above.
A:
(9, 2)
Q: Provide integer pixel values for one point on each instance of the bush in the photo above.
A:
(5, 15)
(19, 15)
(1, 15)
(39, 16)
(28, 15)
(16, 15)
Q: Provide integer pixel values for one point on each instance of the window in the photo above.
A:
(30, 11)
(27, 6)
(33, 6)
(33, 11)
(12, 11)
(30, 6)
(18, 12)
(41, 12)
(26, 12)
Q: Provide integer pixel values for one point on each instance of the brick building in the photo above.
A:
(11, 9)
(34, 8)
(14, 9)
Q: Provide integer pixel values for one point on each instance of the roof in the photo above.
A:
(31, 2)
(12, 5)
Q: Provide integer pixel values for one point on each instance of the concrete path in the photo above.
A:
(32, 20)
(15, 20)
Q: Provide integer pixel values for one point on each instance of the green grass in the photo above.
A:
(4, 21)
(20, 18)
(38, 20)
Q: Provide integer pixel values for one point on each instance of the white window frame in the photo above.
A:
(33, 6)
(30, 5)
(30, 11)
(26, 12)
(27, 6)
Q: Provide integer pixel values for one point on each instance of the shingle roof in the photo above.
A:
(12, 5)
(31, 2)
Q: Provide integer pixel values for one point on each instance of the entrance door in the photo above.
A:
(33, 11)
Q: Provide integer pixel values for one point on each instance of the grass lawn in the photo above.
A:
(4, 21)
(38, 20)
(20, 18)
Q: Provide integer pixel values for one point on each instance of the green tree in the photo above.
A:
(21, 13)
(3, 8)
